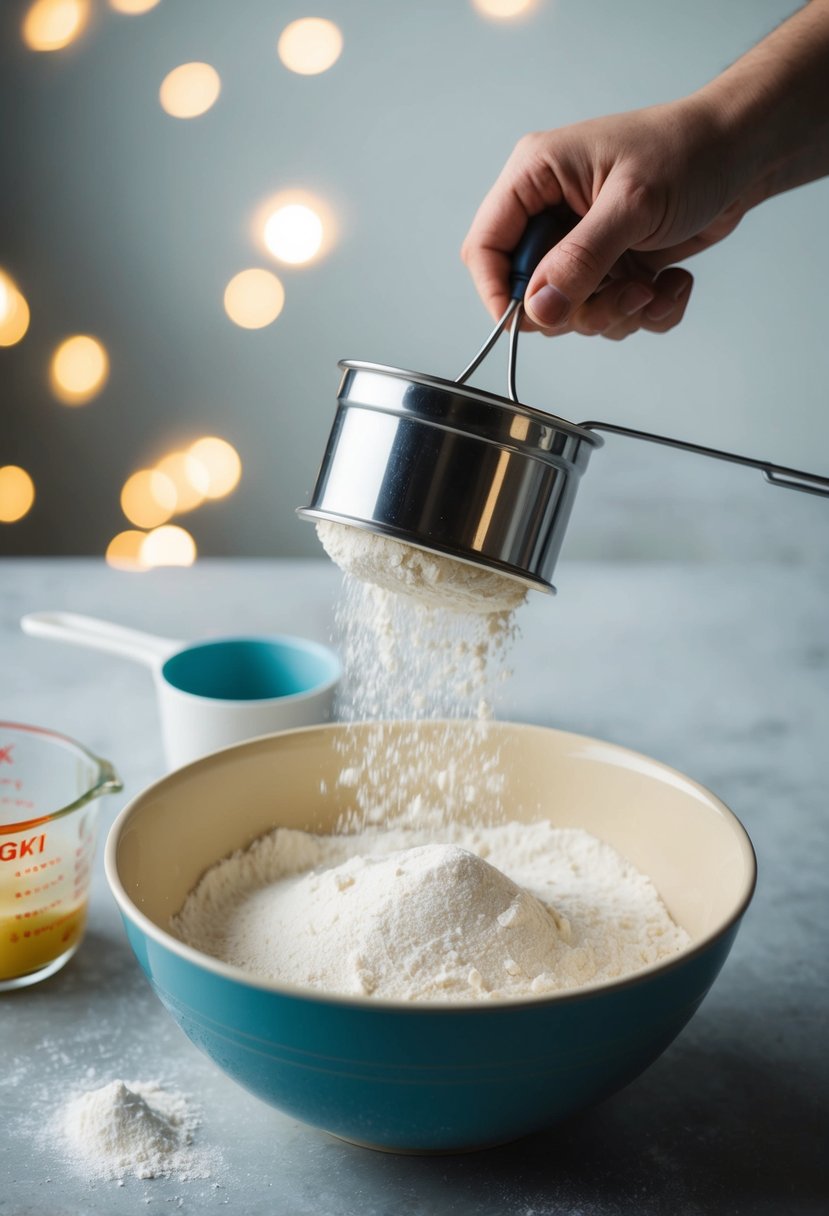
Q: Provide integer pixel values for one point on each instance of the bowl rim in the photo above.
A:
(227, 971)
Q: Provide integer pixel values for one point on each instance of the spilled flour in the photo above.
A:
(133, 1129)
(489, 913)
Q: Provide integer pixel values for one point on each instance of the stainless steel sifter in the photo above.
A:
(468, 473)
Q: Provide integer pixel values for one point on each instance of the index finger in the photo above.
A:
(488, 246)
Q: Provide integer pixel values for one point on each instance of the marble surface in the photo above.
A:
(722, 671)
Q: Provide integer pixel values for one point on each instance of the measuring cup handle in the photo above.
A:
(146, 648)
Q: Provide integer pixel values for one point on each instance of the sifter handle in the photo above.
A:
(543, 231)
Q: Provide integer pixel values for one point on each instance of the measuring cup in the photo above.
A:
(49, 791)
(216, 692)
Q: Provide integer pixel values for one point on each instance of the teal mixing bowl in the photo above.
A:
(425, 1077)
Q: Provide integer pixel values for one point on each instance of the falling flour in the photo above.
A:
(488, 913)
(133, 1129)
(437, 652)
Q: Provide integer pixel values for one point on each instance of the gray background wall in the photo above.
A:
(121, 221)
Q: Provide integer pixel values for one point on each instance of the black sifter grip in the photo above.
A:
(543, 231)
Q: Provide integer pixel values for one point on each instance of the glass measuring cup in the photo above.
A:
(49, 791)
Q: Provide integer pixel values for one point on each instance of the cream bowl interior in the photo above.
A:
(672, 829)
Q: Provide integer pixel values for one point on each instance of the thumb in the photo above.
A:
(576, 266)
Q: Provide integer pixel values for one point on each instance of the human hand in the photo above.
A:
(652, 187)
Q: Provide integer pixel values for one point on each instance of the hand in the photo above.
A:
(653, 187)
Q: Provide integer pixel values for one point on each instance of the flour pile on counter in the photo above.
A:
(489, 913)
(131, 1129)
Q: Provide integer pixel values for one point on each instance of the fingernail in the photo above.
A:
(634, 298)
(681, 291)
(548, 306)
(660, 310)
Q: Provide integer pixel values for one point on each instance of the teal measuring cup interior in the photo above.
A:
(251, 669)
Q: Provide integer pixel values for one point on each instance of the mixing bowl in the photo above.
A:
(429, 1077)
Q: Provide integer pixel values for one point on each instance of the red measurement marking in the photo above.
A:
(6, 754)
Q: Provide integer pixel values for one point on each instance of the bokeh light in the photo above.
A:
(124, 550)
(189, 477)
(254, 298)
(148, 498)
(310, 46)
(14, 311)
(133, 6)
(503, 10)
(189, 90)
(294, 226)
(79, 369)
(294, 233)
(50, 25)
(221, 462)
(17, 493)
(167, 546)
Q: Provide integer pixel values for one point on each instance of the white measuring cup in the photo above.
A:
(215, 692)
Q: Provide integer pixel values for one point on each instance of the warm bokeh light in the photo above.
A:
(79, 369)
(14, 312)
(189, 476)
(189, 90)
(294, 226)
(50, 25)
(133, 6)
(222, 463)
(503, 10)
(168, 546)
(148, 498)
(124, 550)
(17, 493)
(294, 233)
(254, 298)
(310, 46)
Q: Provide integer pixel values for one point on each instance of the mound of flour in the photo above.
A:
(131, 1128)
(487, 913)
(431, 578)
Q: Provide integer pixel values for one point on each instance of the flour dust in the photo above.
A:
(407, 661)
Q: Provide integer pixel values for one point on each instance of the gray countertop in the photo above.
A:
(721, 671)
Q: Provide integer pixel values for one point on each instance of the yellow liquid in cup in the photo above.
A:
(44, 885)
(30, 942)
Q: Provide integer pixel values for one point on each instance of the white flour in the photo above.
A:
(406, 904)
(406, 663)
(131, 1129)
(489, 913)
(422, 636)
(432, 578)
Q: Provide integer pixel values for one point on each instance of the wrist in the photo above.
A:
(770, 109)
